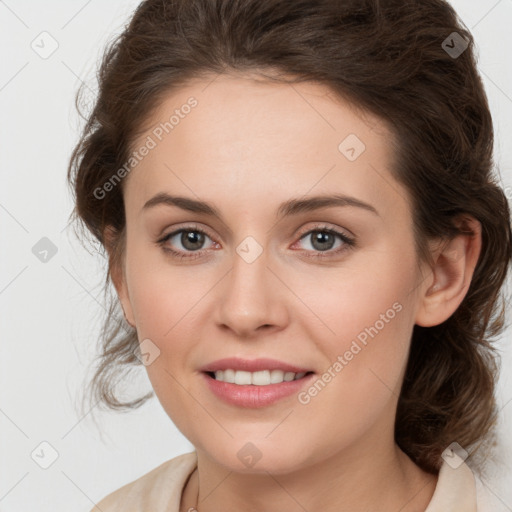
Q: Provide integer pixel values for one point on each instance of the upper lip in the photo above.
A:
(252, 365)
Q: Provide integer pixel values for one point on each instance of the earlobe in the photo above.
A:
(124, 299)
(129, 322)
(454, 265)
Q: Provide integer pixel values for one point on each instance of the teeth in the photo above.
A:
(261, 378)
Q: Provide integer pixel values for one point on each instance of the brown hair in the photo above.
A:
(391, 58)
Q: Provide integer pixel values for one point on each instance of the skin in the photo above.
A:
(248, 146)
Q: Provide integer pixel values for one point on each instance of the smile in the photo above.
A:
(253, 395)
(259, 378)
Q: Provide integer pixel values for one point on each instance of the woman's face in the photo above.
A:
(284, 168)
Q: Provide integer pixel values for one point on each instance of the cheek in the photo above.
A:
(365, 361)
(169, 309)
(361, 313)
(160, 294)
(367, 317)
(371, 292)
(165, 302)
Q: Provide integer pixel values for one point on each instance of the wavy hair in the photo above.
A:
(399, 60)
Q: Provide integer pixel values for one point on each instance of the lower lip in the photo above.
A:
(252, 396)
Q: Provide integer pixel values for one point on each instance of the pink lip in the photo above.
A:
(251, 396)
(255, 365)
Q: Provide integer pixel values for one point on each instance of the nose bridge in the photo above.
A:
(247, 300)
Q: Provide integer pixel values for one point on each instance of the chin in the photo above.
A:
(259, 456)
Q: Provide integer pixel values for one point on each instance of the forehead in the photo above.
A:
(254, 136)
(241, 106)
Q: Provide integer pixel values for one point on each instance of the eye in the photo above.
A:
(191, 239)
(322, 239)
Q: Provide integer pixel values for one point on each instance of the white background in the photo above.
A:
(51, 311)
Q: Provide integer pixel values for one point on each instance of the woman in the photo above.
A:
(308, 246)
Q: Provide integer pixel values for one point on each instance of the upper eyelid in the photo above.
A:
(326, 226)
(187, 228)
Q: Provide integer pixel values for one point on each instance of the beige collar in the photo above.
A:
(455, 490)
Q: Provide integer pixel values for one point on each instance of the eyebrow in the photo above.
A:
(288, 208)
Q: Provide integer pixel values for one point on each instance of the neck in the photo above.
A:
(371, 481)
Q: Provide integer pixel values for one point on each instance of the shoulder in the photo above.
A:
(158, 490)
(460, 489)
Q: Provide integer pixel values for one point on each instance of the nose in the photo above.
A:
(251, 299)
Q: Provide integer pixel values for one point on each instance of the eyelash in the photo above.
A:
(349, 243)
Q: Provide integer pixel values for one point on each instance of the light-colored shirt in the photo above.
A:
(160, 490)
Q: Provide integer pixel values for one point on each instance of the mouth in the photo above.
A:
(254, 383)
(255, 389)
(258, 378)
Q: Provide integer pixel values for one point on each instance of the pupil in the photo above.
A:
(189, 238)
(323, 238)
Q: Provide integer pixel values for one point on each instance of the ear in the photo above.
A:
(455, 262)
(116, 269)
